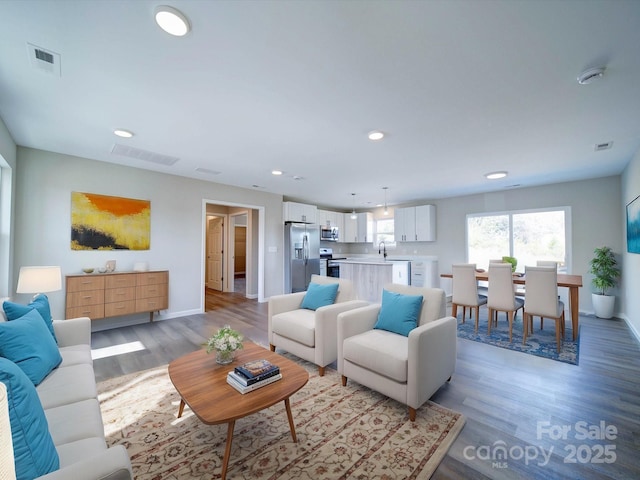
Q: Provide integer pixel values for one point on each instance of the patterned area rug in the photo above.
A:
(343, 432)
(541, 343)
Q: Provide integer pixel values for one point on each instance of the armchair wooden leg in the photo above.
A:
(321, 371)
(272, 348)
(344, 381)
(412, 414)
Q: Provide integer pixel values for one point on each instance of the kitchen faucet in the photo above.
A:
(384, 249)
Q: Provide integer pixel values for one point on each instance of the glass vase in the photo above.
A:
(224, 357)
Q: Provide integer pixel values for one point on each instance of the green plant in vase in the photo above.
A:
(512, 260)
(605, 269)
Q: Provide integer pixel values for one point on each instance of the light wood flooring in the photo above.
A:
(504, 395)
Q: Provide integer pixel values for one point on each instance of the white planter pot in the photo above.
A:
(603, 305)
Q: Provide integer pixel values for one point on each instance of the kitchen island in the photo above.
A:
(369, 276)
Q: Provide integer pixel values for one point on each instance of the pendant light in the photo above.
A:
(354, 215)
(386, 212)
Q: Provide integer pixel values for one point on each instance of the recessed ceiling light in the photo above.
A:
(495, 175)
(172, 21)
(123, 133)
(276, 172)
(376, 135)
(590, 75)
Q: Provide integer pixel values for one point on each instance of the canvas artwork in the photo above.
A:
(633, 226)
(102, 222)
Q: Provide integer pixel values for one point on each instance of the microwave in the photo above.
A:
(329, 234)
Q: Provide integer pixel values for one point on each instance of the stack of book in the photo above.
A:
(253, 375)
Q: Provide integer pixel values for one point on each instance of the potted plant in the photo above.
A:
(225, 343)
(605, 269)
(512, 260)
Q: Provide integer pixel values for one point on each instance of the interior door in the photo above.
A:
(215, 250)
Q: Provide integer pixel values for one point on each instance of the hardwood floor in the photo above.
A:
(513, 402)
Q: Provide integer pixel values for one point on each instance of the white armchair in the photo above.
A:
(309, 334)
(408, 369)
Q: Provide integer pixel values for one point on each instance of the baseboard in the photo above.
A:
(251, 296)
(632, 327)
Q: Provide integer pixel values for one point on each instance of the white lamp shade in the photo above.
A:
(7, 465)
(39, 280)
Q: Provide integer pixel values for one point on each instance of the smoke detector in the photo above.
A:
(590, 75)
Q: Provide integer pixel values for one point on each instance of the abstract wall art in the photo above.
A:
(633, 226)
(102, 222)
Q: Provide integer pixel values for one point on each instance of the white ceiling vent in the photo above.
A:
(44, 60)
(603, 146)
(145, 155)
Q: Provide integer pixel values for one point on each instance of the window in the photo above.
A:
(526, 235)
(384, 232)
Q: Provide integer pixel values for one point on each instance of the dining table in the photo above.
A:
(572, 282)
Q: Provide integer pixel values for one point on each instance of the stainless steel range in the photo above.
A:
(332, 268)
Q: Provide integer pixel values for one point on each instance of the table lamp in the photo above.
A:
(39, 280)
(7, 465)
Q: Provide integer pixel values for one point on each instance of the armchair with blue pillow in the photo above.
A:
(54, 413)
(404, 348)
(305, 323)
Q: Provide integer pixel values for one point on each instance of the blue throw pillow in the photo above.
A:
(27, 342)
(399, 313)
(319, 295)
(40, 303)
(33, 449)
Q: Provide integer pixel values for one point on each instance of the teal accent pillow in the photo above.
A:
(40, 303)
(33, 449)
(319, 295)
(399, 313)
(27, 342)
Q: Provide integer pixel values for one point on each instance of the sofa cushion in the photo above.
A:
(28, 343)
(76, 354)
(319, 295)
(40, 303)
(80, 450)
(87, 421)
(34, 452)
(65, 385)
(399, 313)
(380, 351)
(298, 325)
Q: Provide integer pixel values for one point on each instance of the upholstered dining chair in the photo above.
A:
(550, 264)
(297, 324)
(542, 300)
(404, 348)
(465, 291)
(502, 297)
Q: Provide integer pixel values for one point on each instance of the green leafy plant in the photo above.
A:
(226, 340)
(512, 260)
(605, 269)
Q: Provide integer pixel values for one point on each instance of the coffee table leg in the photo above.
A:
(287, 405)
(227, 450)
(181, 408)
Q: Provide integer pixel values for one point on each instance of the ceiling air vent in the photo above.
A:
(207, 171)
(603, 146)
(145, 155)
(44, 60)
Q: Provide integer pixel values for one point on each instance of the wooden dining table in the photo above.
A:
(572, 282)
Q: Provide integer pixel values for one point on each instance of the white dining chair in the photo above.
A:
(502, 296)
(550, 264)
(465, 291)
(542, 300)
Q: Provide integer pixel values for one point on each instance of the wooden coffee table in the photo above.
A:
(202, 384)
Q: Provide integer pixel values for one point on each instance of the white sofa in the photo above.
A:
(309, 334)
(408, 369)
(69, 398)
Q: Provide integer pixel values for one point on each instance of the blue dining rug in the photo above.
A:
(541, 343)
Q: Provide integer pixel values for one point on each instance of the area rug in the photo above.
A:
(343, 432)
(541, 343)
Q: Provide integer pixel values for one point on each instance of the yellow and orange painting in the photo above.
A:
(102, 222)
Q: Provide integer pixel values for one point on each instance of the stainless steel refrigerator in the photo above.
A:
(302, 255)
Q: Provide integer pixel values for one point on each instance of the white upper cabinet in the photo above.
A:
(359, 230)
(330, 219)
(415, 224)
(299, 212)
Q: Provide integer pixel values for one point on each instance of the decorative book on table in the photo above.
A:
(232, 380)
(259, 369)
(240, 378)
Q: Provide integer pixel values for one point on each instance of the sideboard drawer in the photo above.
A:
(119, 308)
(119, 294)
(82, 299)
(91, 311)
(88, 282)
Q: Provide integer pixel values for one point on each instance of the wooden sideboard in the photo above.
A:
(102, 295)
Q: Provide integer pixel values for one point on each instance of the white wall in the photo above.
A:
(596, 221)
(631, 261)
(45, 181)
(7, 187)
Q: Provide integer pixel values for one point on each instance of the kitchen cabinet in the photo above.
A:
(358, 230)
(415, 224)
(330, 219)
(299, 212)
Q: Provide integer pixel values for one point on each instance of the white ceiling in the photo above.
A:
(461, 87)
